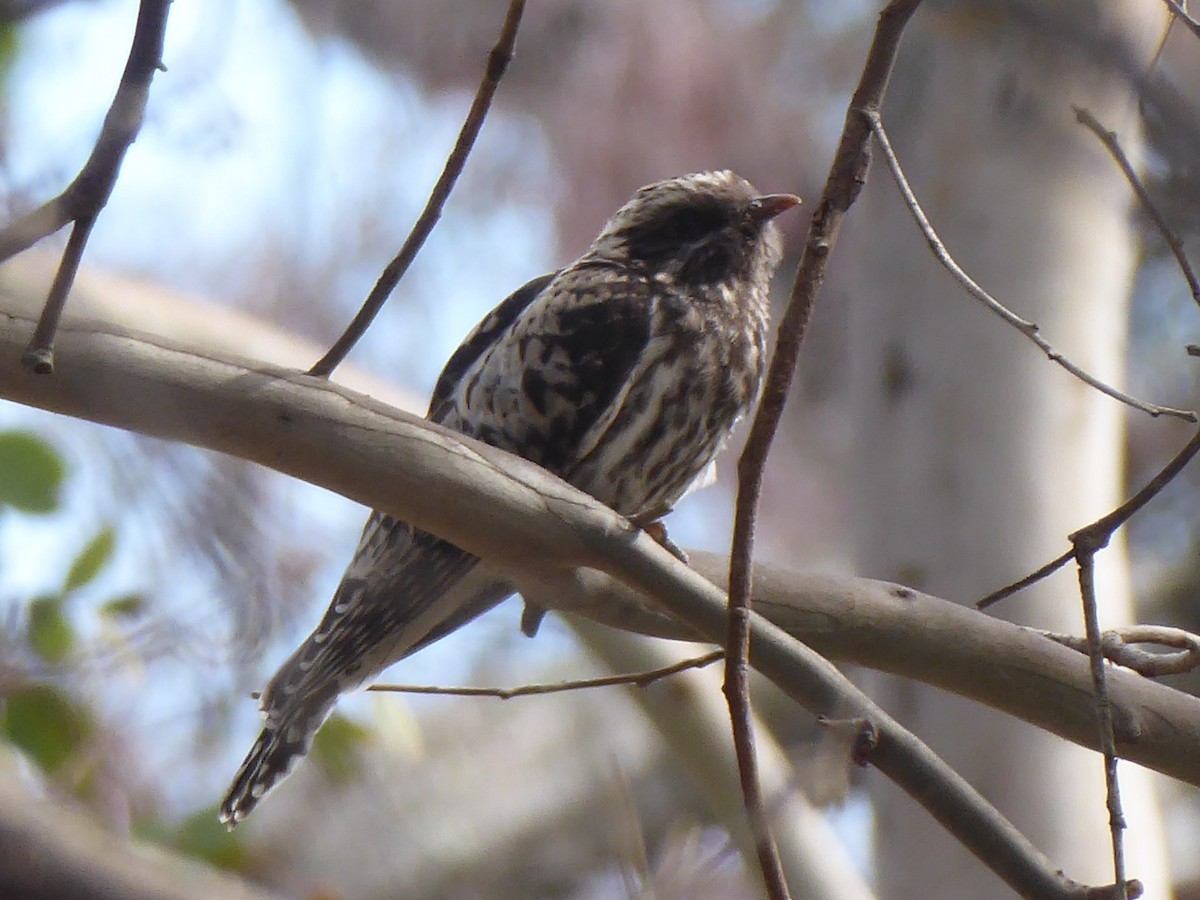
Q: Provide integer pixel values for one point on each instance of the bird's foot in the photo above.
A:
(658, 531)
(531, 619)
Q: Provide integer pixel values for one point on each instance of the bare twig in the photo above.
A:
(1113, 146)
(636, 679)
(83, 199)
(842, 187)
(1085, 555)
(1158, 51)
(1119, 647)
(1032, 578)
(1180, 13)
(1029, 329)
(1098, 534)
(497, 62)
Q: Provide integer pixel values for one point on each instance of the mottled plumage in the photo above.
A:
(622, 373)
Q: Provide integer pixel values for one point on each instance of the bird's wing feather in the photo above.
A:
(562, 368)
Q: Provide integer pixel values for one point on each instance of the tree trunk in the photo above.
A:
(978, 456)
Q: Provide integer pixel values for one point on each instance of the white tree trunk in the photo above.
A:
(977, 456)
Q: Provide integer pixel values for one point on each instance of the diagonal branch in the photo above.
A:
(1113, 146)
(498, 60)
(83, 199)
(1178, 11)
(1100, 532)
(1029, 329)
(842, 187)
(495, 505)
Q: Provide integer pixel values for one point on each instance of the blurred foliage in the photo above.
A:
(31, 473)
(54, 727)
(124, 607)
(43, 720)
(49, 633)
(336, 747)
(200, 835)
(46, 725)
(94, 557)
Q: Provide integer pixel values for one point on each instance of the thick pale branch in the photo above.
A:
(48, 850)
(551, 537)
(506, 510)
(894, 629)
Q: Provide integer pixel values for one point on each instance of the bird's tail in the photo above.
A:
(280, 745)
(403, 589)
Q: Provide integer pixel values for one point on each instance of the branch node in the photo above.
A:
(39, 360)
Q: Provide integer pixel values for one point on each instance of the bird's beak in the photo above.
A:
(768, 206)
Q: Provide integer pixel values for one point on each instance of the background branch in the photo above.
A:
(1029, 329)
(83, 199)
(49, 851)
(1109, 139)
(498, 60)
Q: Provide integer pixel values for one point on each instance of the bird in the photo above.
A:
(623, 373)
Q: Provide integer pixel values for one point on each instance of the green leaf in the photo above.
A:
(31, 472)
(127, 606)
(203, 836)
(44, 723)
(335, 748)
(50, 634)
(9, 45)
(91, 560)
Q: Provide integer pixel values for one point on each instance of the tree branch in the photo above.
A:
(1179, 653)
(83, 199)
(1029, 329)
(631, 679)
(498, 506)
(1100, 532)
(1113, 145)
(846, 178)
(47, 850)
(1181, 14)
(498, 60)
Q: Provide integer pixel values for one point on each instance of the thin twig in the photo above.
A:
(39, 355)
(1113, 146)
(1086, 543)
(1158, 52)
(497, 62)
(1029, 329)
(83, 199)
(1085, 555)
(842, 187)
(1182, 15)
(1119, 647)
(1098, 534)
(637, 679)
(1032, 578)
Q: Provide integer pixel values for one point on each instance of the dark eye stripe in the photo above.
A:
(672, 228)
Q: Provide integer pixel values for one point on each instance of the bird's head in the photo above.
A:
(710, 229)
